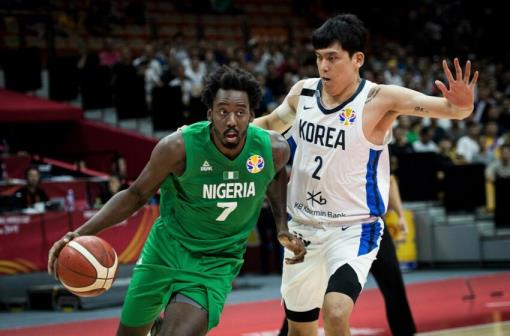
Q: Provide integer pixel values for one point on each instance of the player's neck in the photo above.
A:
(337, 98)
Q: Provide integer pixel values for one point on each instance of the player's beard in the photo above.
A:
(223, 137)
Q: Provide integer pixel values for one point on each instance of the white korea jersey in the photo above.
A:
(338, 176)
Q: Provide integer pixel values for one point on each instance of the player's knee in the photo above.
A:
(182, 330)
(336, 314)
(133, 331)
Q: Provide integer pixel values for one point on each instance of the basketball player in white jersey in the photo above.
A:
(340, 125)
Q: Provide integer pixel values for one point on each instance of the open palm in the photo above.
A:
(461, 89)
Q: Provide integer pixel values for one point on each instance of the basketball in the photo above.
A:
(87, 266)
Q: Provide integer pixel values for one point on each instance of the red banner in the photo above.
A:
(26, 239)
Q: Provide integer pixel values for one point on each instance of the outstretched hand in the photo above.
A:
(293, 244)
(461, 89)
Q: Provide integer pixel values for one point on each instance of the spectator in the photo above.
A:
(32, 193)
(400, 145)
(456, 130)
(119, 168)
(210, 62)
(447, 155)
(3, 171)
(485, 155)
(114, 186)
(179, 50)
(468, 146)
(391, 74)
(128, 87)
(110, 54)
(438, 132)
(413, 130)
(425, 143)
(184, 83)
(490, 137)
(153, 71)
(500, 168)
(267, 102)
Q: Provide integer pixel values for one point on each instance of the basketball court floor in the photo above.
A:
(447, 302)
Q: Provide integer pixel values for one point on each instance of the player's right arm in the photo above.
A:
(167, 157)
(282, 117)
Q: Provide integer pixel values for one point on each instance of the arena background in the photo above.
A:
(88, 87)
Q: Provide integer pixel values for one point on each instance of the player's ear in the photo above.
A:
(358, 59)
(209, 114)
(252, 115)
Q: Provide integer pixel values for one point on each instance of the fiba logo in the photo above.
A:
(347, 116)
(255, 164)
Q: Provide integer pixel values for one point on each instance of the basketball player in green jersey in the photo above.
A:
(213, 177)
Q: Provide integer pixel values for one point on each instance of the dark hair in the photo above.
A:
(346, 29)
(29, 169)
(228, 78)
(470, 123)
(425, 130)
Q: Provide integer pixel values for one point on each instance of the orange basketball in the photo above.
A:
(87, 266)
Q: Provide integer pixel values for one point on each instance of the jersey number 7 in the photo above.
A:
(229, 207)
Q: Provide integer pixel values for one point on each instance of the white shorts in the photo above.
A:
(328, 248)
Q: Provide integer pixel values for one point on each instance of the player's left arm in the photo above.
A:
(277, 195)
(457, 101)
(395, 203)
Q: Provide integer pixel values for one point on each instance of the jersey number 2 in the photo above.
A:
(229, 207)
(319, 166)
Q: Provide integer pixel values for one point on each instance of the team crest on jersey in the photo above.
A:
(255, 164)
(347, 116)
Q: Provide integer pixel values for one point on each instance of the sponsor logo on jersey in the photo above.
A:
(230, 175)
(347, 116)
(316, 197)
(229, 190)
(206, 166)
(318, 213)
(255, 164)
(321, 135)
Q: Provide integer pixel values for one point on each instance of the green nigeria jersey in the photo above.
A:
(214, 205)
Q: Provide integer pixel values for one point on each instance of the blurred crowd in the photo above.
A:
(166, 76)
(185, 64)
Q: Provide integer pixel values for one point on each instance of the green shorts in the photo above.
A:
(165, 268)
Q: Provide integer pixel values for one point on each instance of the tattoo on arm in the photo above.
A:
(373, 92)
(421, 109)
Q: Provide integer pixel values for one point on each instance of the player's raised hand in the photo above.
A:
(294, 244)
(460, 90)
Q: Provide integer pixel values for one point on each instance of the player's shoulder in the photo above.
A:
(296, 89)
(301, 88)
(172, 142)
(303, 85)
